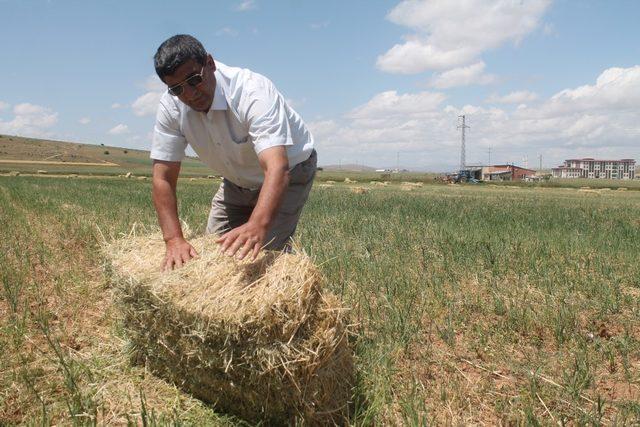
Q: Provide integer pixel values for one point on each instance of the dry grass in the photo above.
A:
(259, 339)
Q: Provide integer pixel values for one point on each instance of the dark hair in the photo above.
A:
(175, 51)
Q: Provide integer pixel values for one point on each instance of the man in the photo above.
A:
(239, 125)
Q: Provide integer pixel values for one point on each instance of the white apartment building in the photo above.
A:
(594, 168)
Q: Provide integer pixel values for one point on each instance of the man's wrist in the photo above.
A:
(262, 221)
(169, 239)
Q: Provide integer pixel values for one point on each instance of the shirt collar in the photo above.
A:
(219, 101)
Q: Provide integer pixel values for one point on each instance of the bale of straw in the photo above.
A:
(622, 189)
(589, 191)
(359, 190)
(259, 340)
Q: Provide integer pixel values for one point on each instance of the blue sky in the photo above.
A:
(371, 78)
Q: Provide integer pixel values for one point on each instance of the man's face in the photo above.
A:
(199, 97)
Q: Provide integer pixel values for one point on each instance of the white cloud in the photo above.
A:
(227, 31)
(120, 129)
(116, 105)
(246, 5)
(449, 34)
(549, 30)
(296, 103)
(4, 106)
(319, 25)
(462, 76)
(147, 104)
(154, 84)
(84, 121)
(518, 97)
(599, 119)
(30, 120)
(615, 90)
(390, 104)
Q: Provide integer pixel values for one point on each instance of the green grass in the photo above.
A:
(472, 304)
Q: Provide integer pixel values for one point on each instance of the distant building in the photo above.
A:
(593, 168)
(500, 173)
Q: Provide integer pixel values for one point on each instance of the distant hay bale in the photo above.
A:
(128, 175)
(14, 173)
(350, 181)
(589, 191)
(330, 182)
(325, 185)
(192, 179)
(379, 183)
(259, 340)
(622, 189)
(359, 190)
(42, 172)
(142, 178)
(413, 184)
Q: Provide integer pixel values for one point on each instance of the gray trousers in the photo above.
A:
(232, 205)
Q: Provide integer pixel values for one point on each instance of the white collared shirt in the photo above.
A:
(247, 116)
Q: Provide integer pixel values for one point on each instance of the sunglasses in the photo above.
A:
(192, 81)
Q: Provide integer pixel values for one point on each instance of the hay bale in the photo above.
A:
(128, 175)
(42, 172)
(622, 189)
(413, 184)
(14, 173)
(259, 340)
(589, 191)
(330, 182)
(359, 190)
(350, 181)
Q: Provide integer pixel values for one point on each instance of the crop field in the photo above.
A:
(469, 304)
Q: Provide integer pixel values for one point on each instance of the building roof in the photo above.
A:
(513, 166)
(589, 159)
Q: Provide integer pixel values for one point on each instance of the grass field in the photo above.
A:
(84, 159)
(472, 304)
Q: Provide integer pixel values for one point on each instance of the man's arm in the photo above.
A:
(250, 237)
(165, 180)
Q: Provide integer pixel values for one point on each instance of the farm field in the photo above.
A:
(471, 304)
(29, 155)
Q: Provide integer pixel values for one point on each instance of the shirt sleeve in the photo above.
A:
(168, 142)
(266, 113)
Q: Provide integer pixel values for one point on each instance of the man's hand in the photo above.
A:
(179, 251)
(242, 240)
(250, 237)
